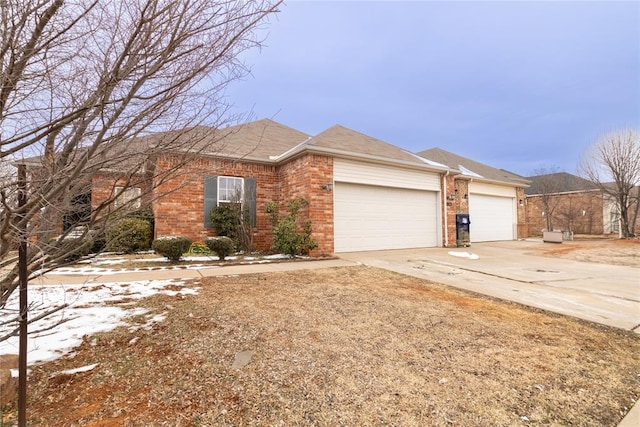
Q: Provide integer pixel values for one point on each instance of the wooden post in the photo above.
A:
(23, 278)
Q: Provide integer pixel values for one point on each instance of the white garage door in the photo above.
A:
(491, 218)
(371, 217)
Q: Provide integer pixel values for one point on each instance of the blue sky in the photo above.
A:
(514, 84)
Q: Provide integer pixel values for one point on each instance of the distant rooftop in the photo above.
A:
(560, 182)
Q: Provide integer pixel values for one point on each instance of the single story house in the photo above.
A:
(569, 203)
(363, 193)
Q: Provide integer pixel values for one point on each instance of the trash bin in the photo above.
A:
(462, 230)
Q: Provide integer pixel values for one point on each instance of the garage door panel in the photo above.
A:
(371, 218)
(492, 218)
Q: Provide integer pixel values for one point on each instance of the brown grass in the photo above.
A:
(350, 346)
(601, 251)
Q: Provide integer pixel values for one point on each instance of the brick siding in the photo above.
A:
(451, 208)
(179, 201)
(582, 209)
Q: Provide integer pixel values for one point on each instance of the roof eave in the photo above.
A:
(520, 184)
(344, 154)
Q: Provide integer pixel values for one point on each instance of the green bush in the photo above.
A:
(172, 247)
(129, 235)
(231, 220)
(221, 246)
(291, 236)
(72, 249)
(225, 218)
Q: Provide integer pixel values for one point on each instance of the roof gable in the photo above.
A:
(341, 139)
(259, 140)
(473, 169)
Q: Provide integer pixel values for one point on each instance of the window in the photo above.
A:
(127, 197)
(230, 189)
(227, 189)
(615, 222)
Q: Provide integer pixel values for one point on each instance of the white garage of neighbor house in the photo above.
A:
(493, 198)
(384, 207)
(492, 210)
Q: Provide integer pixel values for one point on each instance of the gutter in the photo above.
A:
(372, 158)
(446, 223)
(523, 184)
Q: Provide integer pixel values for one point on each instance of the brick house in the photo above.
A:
(493, 198)
(363, 193)
(569, 203)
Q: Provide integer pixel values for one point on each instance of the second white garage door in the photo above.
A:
(491, 217)
(371, 217)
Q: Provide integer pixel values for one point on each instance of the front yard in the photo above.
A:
(348, 346)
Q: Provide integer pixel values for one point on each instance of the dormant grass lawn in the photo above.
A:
(350, 346)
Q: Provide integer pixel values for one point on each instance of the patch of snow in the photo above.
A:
(108, 261)
(88, 313)
(425, 160)
(467, 172)
(77, 370)
(277, 256)
(463, 255)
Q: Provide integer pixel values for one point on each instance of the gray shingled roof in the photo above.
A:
(562, 183)
(341, 139)
(473, 169)
(259, 140)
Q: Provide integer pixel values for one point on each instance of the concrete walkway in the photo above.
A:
(165, 274)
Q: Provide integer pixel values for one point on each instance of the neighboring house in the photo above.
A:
(493, 198)
(363, 193)
(572, 203)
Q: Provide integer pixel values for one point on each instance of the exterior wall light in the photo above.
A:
(327, 187)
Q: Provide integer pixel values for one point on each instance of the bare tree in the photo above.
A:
(613, 164)
(81, 80)
(548, 185)
(570, 211)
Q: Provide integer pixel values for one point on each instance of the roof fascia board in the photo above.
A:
(563, 193)
(519, 184)
(377, 159)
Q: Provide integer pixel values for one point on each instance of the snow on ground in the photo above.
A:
(463, 255)
(88, 313)
(96, 265)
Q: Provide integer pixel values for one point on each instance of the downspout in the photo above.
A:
(445, 211)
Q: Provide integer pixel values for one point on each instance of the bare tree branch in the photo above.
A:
(613, 164)
(103, 88)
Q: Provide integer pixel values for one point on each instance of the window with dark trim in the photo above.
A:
(228, 189)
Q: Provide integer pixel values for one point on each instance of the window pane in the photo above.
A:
(229, 189)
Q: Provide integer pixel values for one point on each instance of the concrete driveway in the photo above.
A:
(605, 294)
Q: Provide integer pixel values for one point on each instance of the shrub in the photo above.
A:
(199, 248)
(225, 218)
(231, 220)
(291, 236)
(72, 248)
(172, 247)
(99, 241)
(222, 246)
(129, 235)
